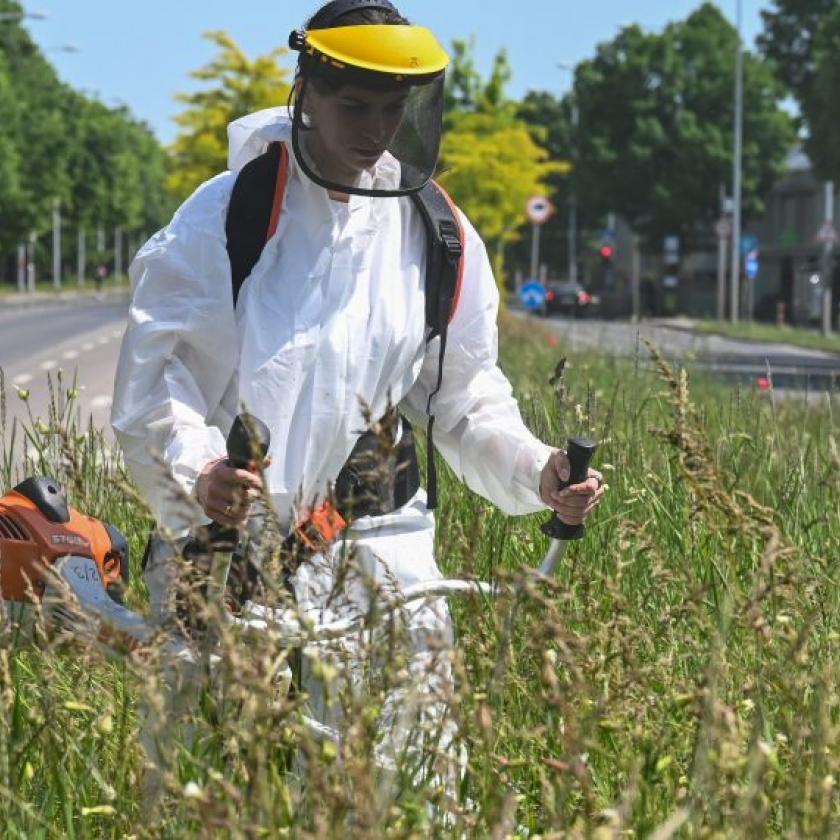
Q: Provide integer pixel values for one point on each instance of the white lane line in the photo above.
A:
(70, 355)
(116, 334)
(22, 379)
(102, 401)
(104, 339)
(49, 364)
(88, 346)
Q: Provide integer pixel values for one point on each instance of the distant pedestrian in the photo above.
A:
(99, 278)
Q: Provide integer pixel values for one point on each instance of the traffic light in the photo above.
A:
(607, 253)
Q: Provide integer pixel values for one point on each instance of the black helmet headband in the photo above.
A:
(338, 8)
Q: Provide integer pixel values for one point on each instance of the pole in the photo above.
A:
(573, 200)
(82, 257)
(825, 274)
(535, 251)
(118, 249)
(21, 267)
(735, 284)
(30, 261)
(56, 244)
(637, 271)
(721, 265)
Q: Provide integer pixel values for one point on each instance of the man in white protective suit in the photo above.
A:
(330, 324)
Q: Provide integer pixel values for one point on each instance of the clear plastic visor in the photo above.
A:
(367, 140)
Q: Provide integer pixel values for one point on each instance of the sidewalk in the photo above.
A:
(65, 297)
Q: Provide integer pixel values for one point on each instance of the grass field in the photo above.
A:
(678, 677)
(809, 339)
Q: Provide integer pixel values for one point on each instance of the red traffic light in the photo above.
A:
(607, 252)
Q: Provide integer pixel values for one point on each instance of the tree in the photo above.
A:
(550, 120)
(491, 161)
(823, 105)
(802, 38)
(655, 136)
(463, 81)
(788, 40)
(239, 87)
(101, 165)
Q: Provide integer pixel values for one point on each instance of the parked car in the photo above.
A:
(568, 298)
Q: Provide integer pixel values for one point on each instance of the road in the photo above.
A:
(81, 339)
(790, 367)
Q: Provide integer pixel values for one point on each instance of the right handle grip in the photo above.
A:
(579, 451)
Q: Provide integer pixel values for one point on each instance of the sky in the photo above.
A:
(140, 54)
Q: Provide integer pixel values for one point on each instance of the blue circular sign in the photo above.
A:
(532, 295)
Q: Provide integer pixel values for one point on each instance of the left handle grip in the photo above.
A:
(579, 451)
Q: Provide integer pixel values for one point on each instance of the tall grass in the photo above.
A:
(678, 676)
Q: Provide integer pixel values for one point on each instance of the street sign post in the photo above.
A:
(539, 210)
(532, 295)
(748, 243)
(827, 234)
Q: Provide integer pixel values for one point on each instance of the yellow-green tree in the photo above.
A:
(238, 86)
(492, 164)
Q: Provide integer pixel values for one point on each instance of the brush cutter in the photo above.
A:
(74, 567)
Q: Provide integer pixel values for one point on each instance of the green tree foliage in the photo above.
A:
(790, 30)
(656, 117)
(550, 120)
(802, 38)
(491, 161)
(102, 166)
(823, 109)
(238, 86)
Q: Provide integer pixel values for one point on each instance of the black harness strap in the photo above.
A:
(444, 251)
(249, 214)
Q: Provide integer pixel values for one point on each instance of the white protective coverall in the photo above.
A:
(333, 314)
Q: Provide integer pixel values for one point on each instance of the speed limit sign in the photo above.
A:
(539, 209)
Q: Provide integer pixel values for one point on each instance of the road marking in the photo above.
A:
(102, 401)
(22, 379)
(104, 339)
(49, 364)
(88, 345)
(70, 355)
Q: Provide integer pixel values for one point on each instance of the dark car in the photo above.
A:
(568, 298)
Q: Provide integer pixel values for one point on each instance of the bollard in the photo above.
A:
(781, 313)
(826, 312)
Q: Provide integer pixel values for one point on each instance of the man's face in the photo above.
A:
(351, 128)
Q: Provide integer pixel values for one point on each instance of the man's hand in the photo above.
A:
(226, 494)
(574, 503)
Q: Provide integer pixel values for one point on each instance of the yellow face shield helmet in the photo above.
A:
(368, 108)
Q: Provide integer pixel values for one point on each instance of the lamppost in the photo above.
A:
(572, 229)
(65, 48)
(14, 16)
(735, 286)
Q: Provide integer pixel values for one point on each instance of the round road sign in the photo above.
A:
(539, 209)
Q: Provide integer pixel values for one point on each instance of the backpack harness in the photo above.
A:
(252, 218)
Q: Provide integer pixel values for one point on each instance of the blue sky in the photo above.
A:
(141, 53)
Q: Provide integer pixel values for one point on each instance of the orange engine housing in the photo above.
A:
(31, 541)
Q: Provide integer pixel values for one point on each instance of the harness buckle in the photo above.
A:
(451, 239)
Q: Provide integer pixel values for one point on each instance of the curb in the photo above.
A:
(36, 299)
(688, 328)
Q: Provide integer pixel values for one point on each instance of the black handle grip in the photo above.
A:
(579, 452)
(248, 441)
